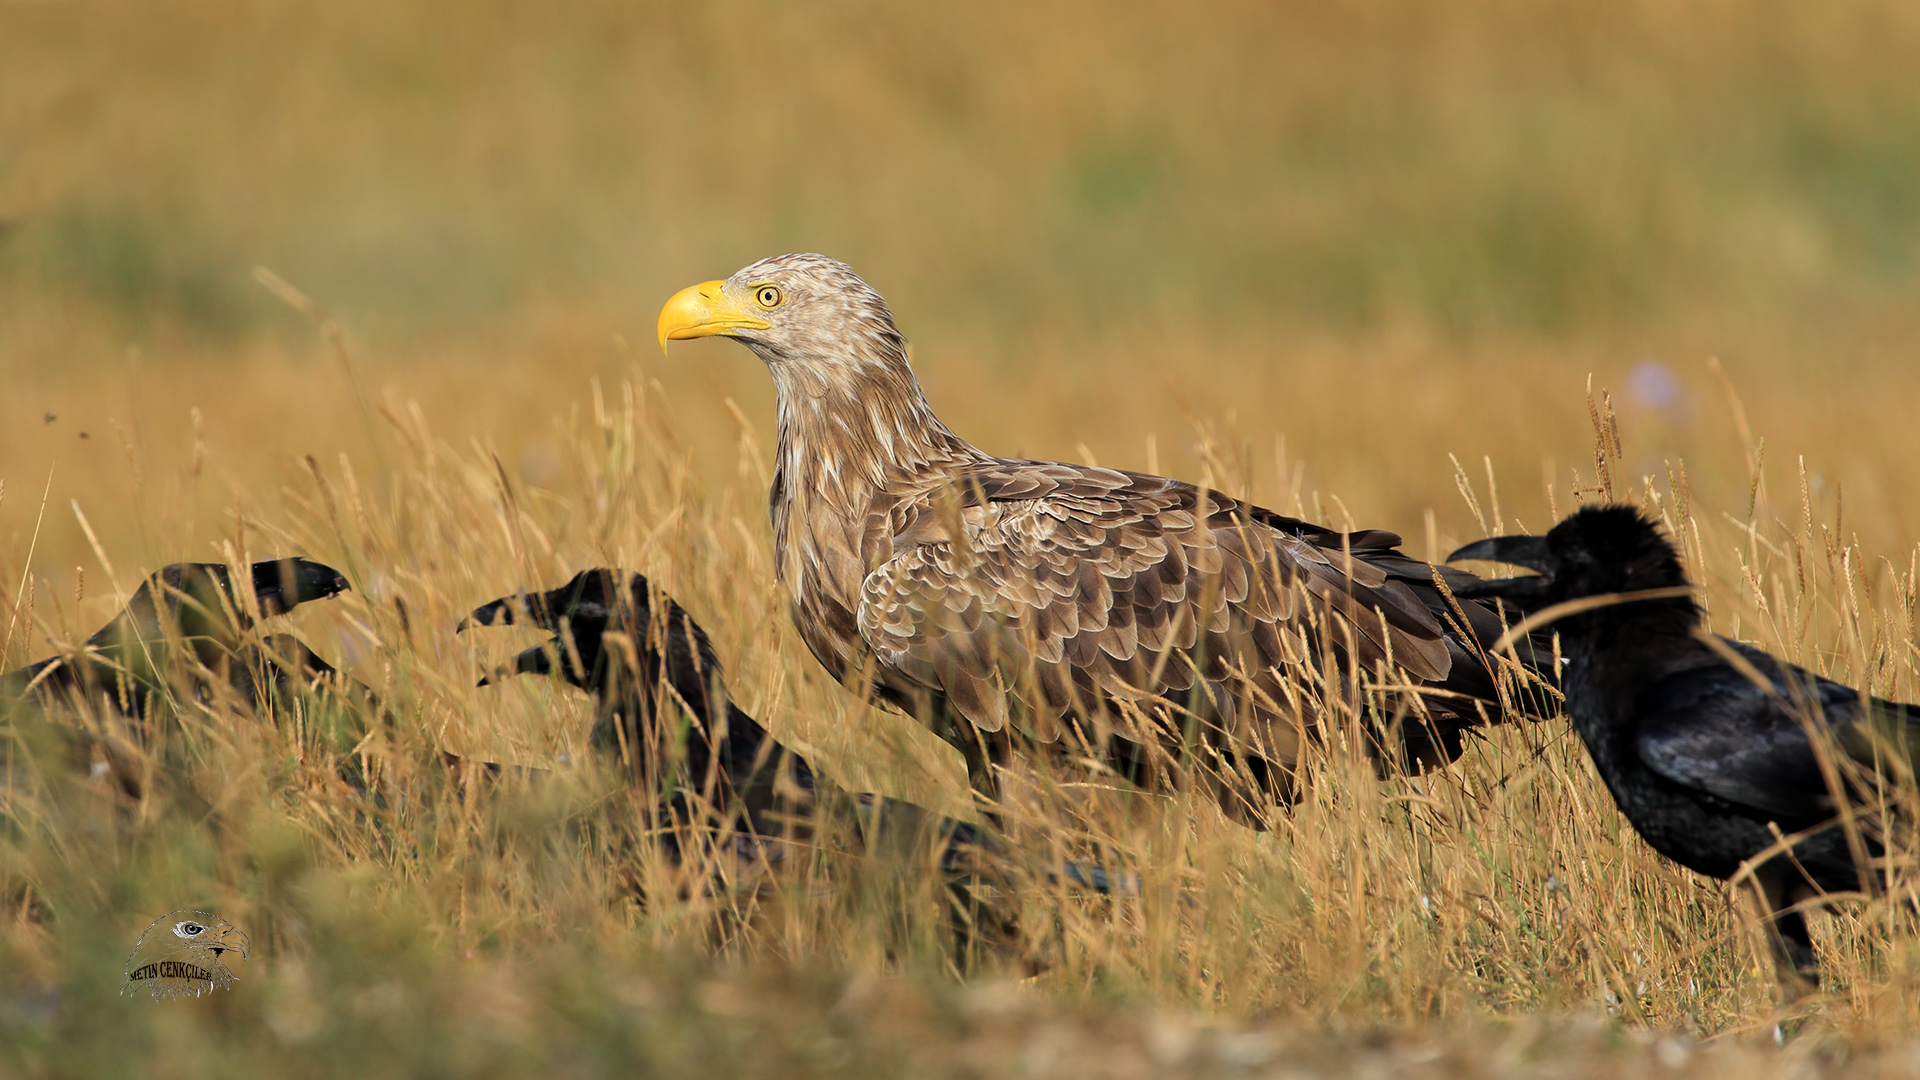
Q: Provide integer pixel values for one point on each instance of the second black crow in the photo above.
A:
(662, 709)
(1708, 746)
(660, 697)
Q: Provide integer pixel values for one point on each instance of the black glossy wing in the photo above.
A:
(1713, 729)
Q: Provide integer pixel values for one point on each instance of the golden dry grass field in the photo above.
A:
(376, 283)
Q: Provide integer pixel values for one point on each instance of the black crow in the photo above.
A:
(660, 697)
(661, 706)
(184, 624)
(1707, 745)
(186, 635)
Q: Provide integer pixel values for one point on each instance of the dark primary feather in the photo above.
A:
(1760, 754)
(1700, 757)
(1008, 601)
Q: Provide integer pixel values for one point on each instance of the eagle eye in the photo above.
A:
(768, 296)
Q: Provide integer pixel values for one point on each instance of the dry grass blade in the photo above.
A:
(1547, 616)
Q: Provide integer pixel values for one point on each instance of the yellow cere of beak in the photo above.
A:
(704, 310)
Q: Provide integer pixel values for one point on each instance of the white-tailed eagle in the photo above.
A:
(1141, 620)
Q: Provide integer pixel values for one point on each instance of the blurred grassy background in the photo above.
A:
(1385, 231)
(1309, 250)
(1568, 170)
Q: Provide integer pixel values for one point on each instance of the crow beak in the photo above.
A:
(317, 581)
(284, 584)
(494, 613)
(1528, 551)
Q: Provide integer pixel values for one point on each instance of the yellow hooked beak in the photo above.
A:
(704, 310)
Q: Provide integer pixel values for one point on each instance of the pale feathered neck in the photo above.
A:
(854, 423)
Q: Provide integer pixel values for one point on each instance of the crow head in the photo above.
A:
(199, 601)
(610, 641)
(608, 635)
(283, 584)
(1596, 551)
(580, 613)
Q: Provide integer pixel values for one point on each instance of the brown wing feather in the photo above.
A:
(1077, 580)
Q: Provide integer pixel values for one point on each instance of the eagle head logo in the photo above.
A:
(181, 954)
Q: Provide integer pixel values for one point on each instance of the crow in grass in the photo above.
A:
(661, 702)
(183, 626)
(186, 636)
(662, 709)
(1708, 745)
(660, 697)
